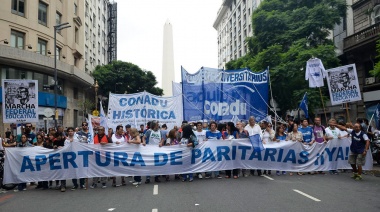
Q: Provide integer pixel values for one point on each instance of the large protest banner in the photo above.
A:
(139, 108)
(214, 94)
(20, 101)
(80, 160)
(343, 84)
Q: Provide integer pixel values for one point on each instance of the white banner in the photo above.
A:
(139, 108)
(20, 101)
(343, 84)
(79, 160)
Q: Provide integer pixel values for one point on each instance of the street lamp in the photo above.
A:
(57, 27)
(96, 86)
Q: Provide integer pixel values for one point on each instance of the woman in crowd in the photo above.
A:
(280, 136)
(171, 140)
(24, 143)
(135, 139)
(242, 133)
(40, 142)
(232, 133)
(9, 142)
(268, 136)
(190, 140)
(295, 136)
(212, 135)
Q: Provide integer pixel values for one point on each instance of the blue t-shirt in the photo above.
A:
(213, 135)
(281, 137)
(307, 133)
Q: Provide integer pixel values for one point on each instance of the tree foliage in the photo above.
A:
(287, 33)
(121, 77)
(376, 70)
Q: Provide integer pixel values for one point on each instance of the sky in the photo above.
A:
(141, 28)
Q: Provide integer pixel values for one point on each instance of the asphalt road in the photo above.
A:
(276, 193)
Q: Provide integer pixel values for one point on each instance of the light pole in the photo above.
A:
(96, 86)
(56, 27)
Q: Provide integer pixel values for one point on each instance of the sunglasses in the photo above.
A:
(85, 125)
(28, 126)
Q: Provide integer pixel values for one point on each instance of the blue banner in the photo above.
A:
(214, 94)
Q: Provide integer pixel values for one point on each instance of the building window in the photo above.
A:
(41, 47)
(42, 13)
(75, 9)
(76, 35)
(58, 53)
(76, 115)
(17, 39)
(99, 12)
(375, 16)
(18, 7)
(75, 94)
(75, 61)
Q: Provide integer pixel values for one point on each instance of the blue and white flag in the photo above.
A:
(90, 139)
(303, 106)
(103, 119)
(257, 143)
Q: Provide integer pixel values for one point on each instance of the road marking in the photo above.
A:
(111, 209)
(155, 190)
(269, 178)
(154, 210)
(306, 195)
(196, 204)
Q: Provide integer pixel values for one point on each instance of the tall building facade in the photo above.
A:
(233, 24)
(355, 39)
(96, 33)
(27, 52)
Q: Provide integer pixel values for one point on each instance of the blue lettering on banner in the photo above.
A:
(120, 157)
(137, 159)
(175, 156)
(40, 160)
(27, 164)
(157, 161)
(143, 100)
(99, 161)
(54, 158)
(85, 157)
(67, 160)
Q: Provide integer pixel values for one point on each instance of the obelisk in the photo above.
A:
(168, 60)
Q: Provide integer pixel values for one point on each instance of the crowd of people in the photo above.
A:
(191, 134)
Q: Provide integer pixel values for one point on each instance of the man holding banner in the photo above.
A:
(358, 150)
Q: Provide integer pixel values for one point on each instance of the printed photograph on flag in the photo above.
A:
(343, 84)
(20, 94)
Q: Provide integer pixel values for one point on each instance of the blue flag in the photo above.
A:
(257, 143)
(303, 106)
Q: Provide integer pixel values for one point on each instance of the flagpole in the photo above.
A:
(323, 104)
(274, 107)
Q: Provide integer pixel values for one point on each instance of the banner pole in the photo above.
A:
(272, 100)
(348, 114)
(323, 104)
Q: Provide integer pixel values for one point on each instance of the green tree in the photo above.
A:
(376, 70)
(120, 77)
(287, 33)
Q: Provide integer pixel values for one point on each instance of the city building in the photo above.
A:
(233, 24)
(27, 52)
(97, 30)
(355, 39)
(168, 73)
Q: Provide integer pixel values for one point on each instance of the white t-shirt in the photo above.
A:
(184, 141)
(155, 137)
(343, 133)
(75, 139)
(120, 139)
(201, 136)
(335, 133)
(315, 72)
(254, 130)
